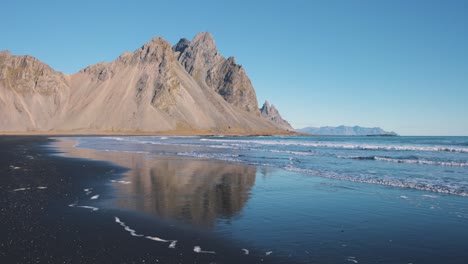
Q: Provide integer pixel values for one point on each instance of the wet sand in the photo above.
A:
(53, 211)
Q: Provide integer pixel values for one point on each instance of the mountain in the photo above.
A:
(345, 131)
(188, 89)
(272, 114)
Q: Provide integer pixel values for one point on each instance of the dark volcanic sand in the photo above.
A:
(39, 226)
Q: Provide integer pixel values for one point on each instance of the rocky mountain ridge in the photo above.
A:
(187, 88)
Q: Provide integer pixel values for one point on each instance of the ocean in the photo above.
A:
(314, 199)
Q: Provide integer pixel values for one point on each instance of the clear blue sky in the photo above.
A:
(401, 65)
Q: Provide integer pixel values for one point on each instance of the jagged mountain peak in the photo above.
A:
(181, 45)
(27, 74)
(203, 62)
(156, 50)
(272, 114)
(156, 53)
(204, 39)
(5, 53)
(156, 42)
(265, 108)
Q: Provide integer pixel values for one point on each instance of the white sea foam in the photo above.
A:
(424, 162)
(84, 206)
(94, 197)
(173, 244)
(408, 161)
(425, 186)
(246, 251)
(127, 228)
(121, 182)
(87, 207)
(268, 253)
(21, 189)
(198, 249)
(429, 196)
(115, 138)
(29, 188)
(218, 156)
(344, 145)
(157, 239)
(154, 238)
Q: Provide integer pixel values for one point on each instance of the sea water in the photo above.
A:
(310, 199)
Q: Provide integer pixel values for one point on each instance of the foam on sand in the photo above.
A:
(21, 189)
(157, 239)
(29, 188)
(154, 238)
(83, 206)
(122, 182)
(88, 191)
(198, 249)
(173, 244)
(88, 207)
(127, 228)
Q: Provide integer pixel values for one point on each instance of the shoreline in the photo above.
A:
(38, 188)
(150, 133)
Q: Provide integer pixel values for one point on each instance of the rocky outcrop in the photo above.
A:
(203, 62)
(31, 93)
(26, 74)
(271, 114)
(188, 88)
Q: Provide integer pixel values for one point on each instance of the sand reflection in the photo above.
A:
(190, 190)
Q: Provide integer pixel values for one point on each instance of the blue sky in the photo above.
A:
(400, 65)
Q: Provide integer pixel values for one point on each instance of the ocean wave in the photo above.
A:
(217, 156)
(409, 161)
(424, 162)
(436, 187)
(343, 146)
(242, 144)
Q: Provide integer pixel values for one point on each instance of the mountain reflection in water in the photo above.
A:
(198, 192)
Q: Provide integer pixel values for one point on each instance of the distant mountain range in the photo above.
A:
(346, 131)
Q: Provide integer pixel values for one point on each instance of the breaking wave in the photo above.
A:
(429, 185)
(409, 161)
(345, 146)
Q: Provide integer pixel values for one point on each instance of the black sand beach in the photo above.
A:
(42, 221)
